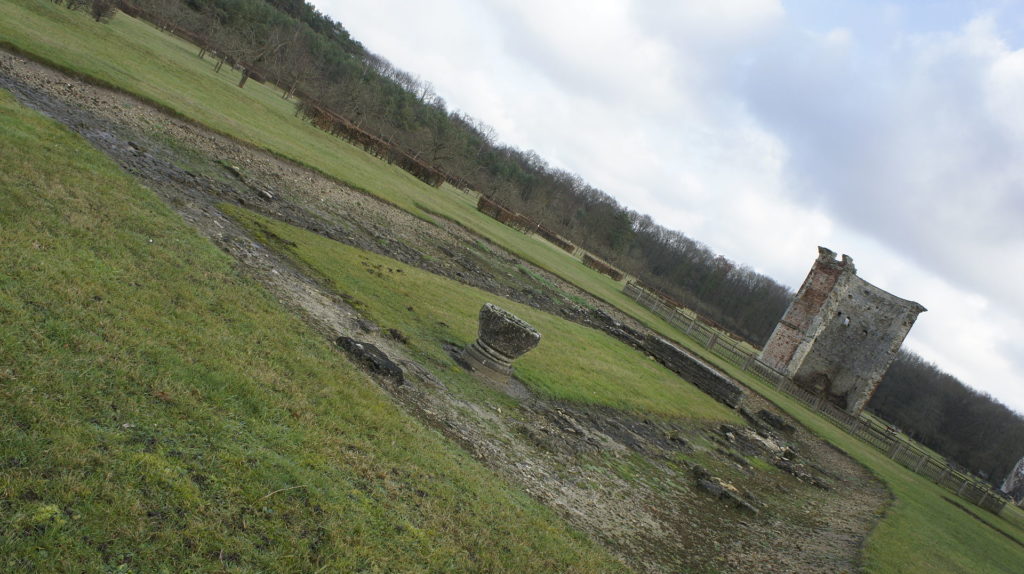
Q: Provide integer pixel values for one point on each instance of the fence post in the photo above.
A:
(712, 340)
(748, 362)
(960, 492)
(924, 457)
(895, 448)
(853, 425)
(690, 326)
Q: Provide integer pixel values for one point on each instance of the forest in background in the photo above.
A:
(313, 58)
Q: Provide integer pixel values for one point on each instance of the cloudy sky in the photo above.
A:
(890, 131)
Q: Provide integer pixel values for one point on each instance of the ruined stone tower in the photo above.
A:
(1014, 483)
(840, 334)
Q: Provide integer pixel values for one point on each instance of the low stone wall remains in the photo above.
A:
(874, 432)
(692, 369)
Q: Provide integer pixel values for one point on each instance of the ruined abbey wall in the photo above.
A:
(840, 334)
(1014, 483)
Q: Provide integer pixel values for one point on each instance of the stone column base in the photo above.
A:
(481, 357)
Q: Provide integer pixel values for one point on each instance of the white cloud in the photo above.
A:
(888, 131)
(908, 148)
(577, 42)
(709, 24)
(838, 38)
(1004, 86)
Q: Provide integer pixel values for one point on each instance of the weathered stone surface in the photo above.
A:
(801, 472)
(722, 490)
(603, 321)
(502, 337)
(704, 376)
(372, 358)
(761, 443)
(775, 421)
(694, 370)
(1014, 483)
(840, 334)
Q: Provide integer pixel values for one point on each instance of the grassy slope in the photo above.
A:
(197, 93)
(571, 363)
(139, 59)
(159, 412)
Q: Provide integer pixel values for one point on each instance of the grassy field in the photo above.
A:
(922, 532)
(134, 57)
(160, 413)
(572, 362)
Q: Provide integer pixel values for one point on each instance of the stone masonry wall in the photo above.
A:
(840, 334)
(1013, 486)
(857, 344)
(705, 377)
(690, 368)
(791, 339)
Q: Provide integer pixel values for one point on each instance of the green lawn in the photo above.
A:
(134, 57)
(921, 532)
(572, 362)
(160, 413)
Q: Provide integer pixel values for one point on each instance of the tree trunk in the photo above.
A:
(245, 77)
(291, 90)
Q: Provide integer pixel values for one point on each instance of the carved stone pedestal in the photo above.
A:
(502, 338)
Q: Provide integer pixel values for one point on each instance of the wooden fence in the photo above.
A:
(321, 117)
(876, 433)
(519, 221)
(340, 126)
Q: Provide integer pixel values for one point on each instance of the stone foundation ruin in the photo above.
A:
(840, 333)
(502, 337)
(698, 372)
(1013, 486)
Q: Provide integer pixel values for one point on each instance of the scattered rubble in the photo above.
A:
(375, 360)
(624, 478)
(724, 490)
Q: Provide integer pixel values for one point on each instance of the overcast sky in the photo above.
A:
(890, 131)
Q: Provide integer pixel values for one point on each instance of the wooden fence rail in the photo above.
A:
(876, 433)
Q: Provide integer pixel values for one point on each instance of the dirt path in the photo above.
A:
(630, 482)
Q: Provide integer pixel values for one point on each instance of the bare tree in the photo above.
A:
(103, 10)
(295, 62)
(255, 44)
(100, 10)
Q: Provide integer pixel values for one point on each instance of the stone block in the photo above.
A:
(502, 337)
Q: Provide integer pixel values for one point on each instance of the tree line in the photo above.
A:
(312, 57)
(936, 409)
(290, 43)
(100, 10)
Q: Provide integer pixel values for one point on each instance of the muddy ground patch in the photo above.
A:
(662, 494)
